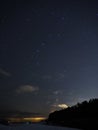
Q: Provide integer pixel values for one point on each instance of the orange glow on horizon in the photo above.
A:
(35, 119)
(27, 119)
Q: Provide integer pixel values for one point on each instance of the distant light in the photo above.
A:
(26, 119)
(35, 119)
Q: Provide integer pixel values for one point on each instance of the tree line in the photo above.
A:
(82, 115)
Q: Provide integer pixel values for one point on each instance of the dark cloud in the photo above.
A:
(4, 72)
(18, 114)
(27, 89)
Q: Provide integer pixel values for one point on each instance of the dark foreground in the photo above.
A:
(83, 116)
(32, 127)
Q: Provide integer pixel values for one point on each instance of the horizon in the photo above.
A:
(19, 116)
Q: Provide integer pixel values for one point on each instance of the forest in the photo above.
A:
(82, 115)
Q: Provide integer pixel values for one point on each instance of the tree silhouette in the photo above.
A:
(82, 115)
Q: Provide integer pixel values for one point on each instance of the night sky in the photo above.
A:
(48, 54)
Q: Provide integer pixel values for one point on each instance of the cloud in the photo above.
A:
(50, 77)
(57, 92)
(27, 89)
(62, 106)
(4, 73)
(55, 76)
(13, 113)
(59, 76)
(42, 77)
